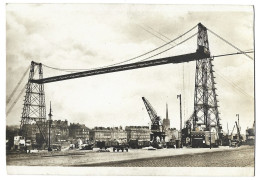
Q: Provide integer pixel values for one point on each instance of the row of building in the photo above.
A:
(61, 131)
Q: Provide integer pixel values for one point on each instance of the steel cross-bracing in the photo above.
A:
(204, 101)
(206, 114)
(34, 109)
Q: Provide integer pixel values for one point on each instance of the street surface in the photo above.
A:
(186, 157)
(238, 158)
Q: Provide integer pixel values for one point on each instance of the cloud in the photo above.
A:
(86, 36)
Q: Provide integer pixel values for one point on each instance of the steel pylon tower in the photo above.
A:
(34, 109)
(206, 114)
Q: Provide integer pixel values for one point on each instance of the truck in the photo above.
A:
(236, 140)
(136, 144)
(226, 140)
(87, 145)
(171, 144)
(250, 135)
(203, 139)
(102, 144)
(117, 145)
(120, 144)
(158, 145)
(55, 147)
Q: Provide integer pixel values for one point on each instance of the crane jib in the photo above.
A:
(173, 59)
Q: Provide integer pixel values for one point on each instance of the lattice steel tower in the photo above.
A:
(34, 109)
(206, 114)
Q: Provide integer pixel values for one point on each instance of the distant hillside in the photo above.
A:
(12, 127)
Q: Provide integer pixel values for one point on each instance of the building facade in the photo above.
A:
(59, 130)
(138, 133)
(79, 131)
(19, 142)
(107, 133)
(118, 133)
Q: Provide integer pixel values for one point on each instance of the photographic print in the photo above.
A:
(148, 89)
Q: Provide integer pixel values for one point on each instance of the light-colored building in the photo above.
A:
(118, 133)
(107, 133)
(100, 134)
(138, 133)
(19, 142)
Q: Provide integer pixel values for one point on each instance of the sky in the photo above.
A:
(82, 36)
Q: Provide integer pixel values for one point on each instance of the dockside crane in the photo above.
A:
(155, 119)
(34, 108)
(233, 130)
(156, 125)
(239, 137)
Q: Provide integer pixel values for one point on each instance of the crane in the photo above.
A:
(156, 120)
(238, 133)
(233, 130)
(156, 126)
(34, 107)
(236, 140)
(36, 99)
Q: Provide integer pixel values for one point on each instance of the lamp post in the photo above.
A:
(49, 141)
(50, 122)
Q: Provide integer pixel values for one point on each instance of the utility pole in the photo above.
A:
(179, 96)
(50, 122)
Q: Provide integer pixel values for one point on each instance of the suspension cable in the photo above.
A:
(159, 33)
(153, 33)
(230, 54)
(221, 55)
(15, 101)
(183, 76)
(234, 85)
(163, 39)
(127, 59)
(16, 87)
(169, 48)
(230, 44)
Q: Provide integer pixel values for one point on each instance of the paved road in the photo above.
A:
(217, 157)
(236, 158)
